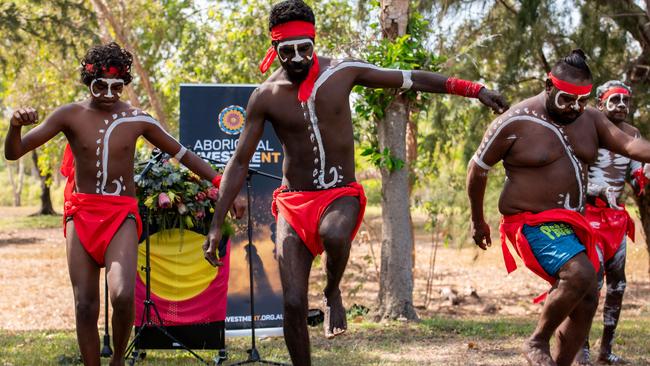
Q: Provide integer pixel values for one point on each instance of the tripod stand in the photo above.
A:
(253, 353)
(147, 321)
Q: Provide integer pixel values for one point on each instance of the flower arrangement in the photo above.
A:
(175, 197)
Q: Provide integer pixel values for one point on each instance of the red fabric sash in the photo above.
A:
(67, 170)
(511, 228)
(617, 90)
(97, 218)
(568, 87)
(611, 225)
(287, 30)
(304, 209)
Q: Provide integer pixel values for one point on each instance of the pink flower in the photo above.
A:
(213, 193)
(200, 196)
(164, 201)
(199, 214)
(182, 209)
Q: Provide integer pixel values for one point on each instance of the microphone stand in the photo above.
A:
(146, 321)
(106, 350)
(253, 353)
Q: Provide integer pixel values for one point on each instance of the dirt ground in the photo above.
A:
(36, 295)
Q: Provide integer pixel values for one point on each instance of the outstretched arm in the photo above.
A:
(614, 139)
(17, 145)
(235, 173)
(155, 134)
(375, 77)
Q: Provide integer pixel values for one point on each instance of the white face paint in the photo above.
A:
(575, 106)
(612, 106)
(295, 43)
(108, 82)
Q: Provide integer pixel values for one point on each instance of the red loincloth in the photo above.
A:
(303, 210)
(512, 225)
(611, 225)
(97, 218)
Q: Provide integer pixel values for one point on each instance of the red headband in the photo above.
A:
(282, 31)
(110, 71)
(296, 28)
(568, 87)
(615, 90)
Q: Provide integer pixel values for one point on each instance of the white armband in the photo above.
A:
(407, 82)
(480, 162)
(179, 155)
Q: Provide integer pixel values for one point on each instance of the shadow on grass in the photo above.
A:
(436, 341)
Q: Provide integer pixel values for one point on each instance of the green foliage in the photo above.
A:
(382, 159)
(405, 53)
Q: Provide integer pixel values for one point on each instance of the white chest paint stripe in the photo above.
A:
(109, 130)
(574, 160)
(335, 172)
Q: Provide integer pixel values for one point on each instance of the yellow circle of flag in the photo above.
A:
(178, 269)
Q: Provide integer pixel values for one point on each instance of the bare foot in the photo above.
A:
(538, 354)
(335, 319)
(583, 358)
(611, 359)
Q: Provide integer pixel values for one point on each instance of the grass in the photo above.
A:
(366, 344)
(30, 222)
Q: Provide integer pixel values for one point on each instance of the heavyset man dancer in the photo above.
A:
(545, 143)
(319, 206)
(101, 217)
(606, 213)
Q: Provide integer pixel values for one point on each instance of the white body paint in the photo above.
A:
(575, 106)
(564, 199)
(103, 154)
(321, 181)
(110, 83)
(295, 43)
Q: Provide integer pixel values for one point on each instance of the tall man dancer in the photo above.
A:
(101, 217)
(319, 206)
(545, 143)
(606, 213)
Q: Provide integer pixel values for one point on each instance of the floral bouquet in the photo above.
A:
(175, 197)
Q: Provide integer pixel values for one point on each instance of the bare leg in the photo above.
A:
(616, 282)
(575, 328)
(335, 229)
(295, 263)
(121, 264)
(84, 275)
(575, 279)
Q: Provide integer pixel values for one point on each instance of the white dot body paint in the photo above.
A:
(295, 43)
(611, 106)
(575, 106)
(110, 83)
(565, 199)
(104, 153)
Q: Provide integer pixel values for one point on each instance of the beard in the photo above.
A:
(562, 118)
(297, 72)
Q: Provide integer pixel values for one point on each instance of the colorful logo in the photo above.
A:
(232, 119)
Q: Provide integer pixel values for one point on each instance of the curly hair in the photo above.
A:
(575, 64)
(98, 59)
(290, 10)
(611, 84)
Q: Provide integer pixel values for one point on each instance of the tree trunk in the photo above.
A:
(16, 181)
(46, 202)
(104, 14)
(396, 274)
(636, 21)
